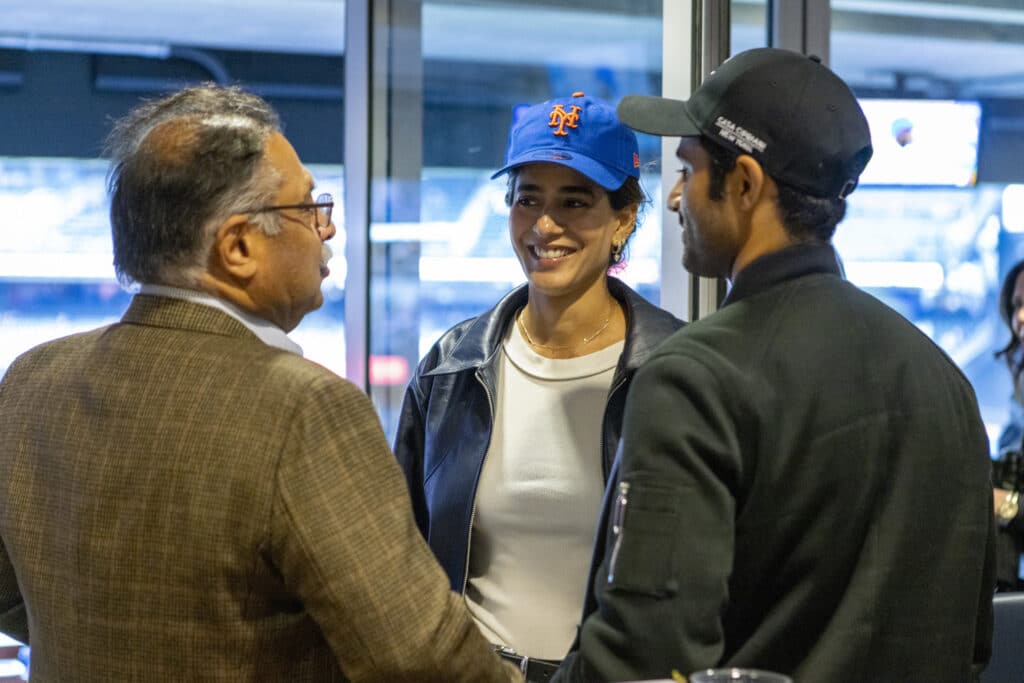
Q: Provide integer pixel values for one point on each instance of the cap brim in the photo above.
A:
(657, 115)
(604, 176)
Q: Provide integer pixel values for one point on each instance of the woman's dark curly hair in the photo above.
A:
(1012, 353)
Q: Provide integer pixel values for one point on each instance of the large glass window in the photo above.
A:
(65, 72)
(748, 25)
(440, 251)
(935, 226)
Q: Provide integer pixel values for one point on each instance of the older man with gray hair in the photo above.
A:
(182, 495)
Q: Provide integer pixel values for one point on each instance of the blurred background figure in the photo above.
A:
(903, 131)
(1008, 471)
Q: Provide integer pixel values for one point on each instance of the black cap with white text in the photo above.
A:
(798, 119)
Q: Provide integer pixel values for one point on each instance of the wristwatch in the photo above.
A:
(1009, 509)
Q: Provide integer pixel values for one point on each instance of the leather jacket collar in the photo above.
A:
(477, 347)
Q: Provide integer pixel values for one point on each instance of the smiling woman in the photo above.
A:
(564, 232)
(511, 422)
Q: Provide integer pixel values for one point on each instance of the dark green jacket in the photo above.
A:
(808, 492)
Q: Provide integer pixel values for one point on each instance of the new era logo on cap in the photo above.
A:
(580, 132)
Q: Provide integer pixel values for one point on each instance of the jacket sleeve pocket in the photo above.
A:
(642, 533)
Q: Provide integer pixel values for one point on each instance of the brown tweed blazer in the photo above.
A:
(181, 502)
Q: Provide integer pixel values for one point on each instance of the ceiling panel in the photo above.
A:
(973, 47)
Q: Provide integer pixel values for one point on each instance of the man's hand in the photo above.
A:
(998, 498)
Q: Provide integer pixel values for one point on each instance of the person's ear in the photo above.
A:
(748, 181)
(236, 247)
(627, 222)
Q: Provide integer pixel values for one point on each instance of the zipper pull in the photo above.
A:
(618, 519)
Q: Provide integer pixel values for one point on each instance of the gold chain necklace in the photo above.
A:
(586, 340)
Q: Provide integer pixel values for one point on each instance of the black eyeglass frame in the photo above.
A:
(324, 206)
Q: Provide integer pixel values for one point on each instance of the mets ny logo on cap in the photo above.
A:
(560, 119)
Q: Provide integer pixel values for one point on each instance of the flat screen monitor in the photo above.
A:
(922, 142)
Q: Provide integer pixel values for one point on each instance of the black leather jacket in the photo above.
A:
(448, 414)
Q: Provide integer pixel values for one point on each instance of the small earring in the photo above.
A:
(616, 251)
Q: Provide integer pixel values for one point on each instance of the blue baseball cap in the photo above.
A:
(580, 132)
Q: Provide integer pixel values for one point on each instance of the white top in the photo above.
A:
(538, 498)
(269, 333)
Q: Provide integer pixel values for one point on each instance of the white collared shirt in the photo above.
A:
(269, 333)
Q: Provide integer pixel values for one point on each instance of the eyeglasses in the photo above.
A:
(321, 211)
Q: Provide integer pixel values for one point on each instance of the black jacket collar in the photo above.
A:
(779, 266)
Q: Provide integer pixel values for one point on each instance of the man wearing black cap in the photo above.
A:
(803, 480)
